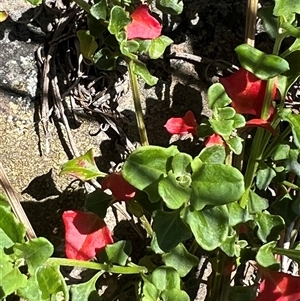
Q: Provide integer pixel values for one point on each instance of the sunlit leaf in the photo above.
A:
(86, 290)
(83, 167)
(180, 259)
(209, 226)
(158, 46)
(215, 184)
(146, 166)
(35, 252)
(264, 66)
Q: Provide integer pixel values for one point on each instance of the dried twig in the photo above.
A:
(14, 202)
(251, 15)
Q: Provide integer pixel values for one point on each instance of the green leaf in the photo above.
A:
(264, 66)
(105, 59)
(150, 292)
(294, 121)
(180, 259)
(165, 278)
(212, 155)
(235, 144)
(173, 193)
(285, 7)
(11, 230)
(237, 214)
(11, 277)
(265, 256)
(98, 202)
(222, 127)
(117, 253)
(175, 295)
(239, 121)
(87, 43)
(215, 184)
(231, 246)
(292, 163)
(51, 282)
(83, 167)
(281, 152)
(86, 290)
(129, 47)
(99, 10)
(158, 46)
(269, 226)
(170, 229)
(145, 166)
(181, 164)
(31, 291)
(35, 252)
(170, 7)
(217, 97)
(283, 206)
(269, 20)
(256, 203)
(264, 176)
(96, 27)
(141, 70)
(225, 113)
(118, 19)
(209, 226)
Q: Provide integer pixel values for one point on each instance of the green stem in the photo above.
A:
(137, 104)
(261, 138)
(220, 284)
(278, 42)
(255, 154)
(135, 269)
(146, 225)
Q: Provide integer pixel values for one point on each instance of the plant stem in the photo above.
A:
(261, 138)
(219, 283)
(97, 266)
(146, 225)
(137, 104)
(255, 153)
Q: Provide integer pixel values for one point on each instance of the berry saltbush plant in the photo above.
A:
(236, 203)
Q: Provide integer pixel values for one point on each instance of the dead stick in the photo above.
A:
(13, 200)
(251, 15)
